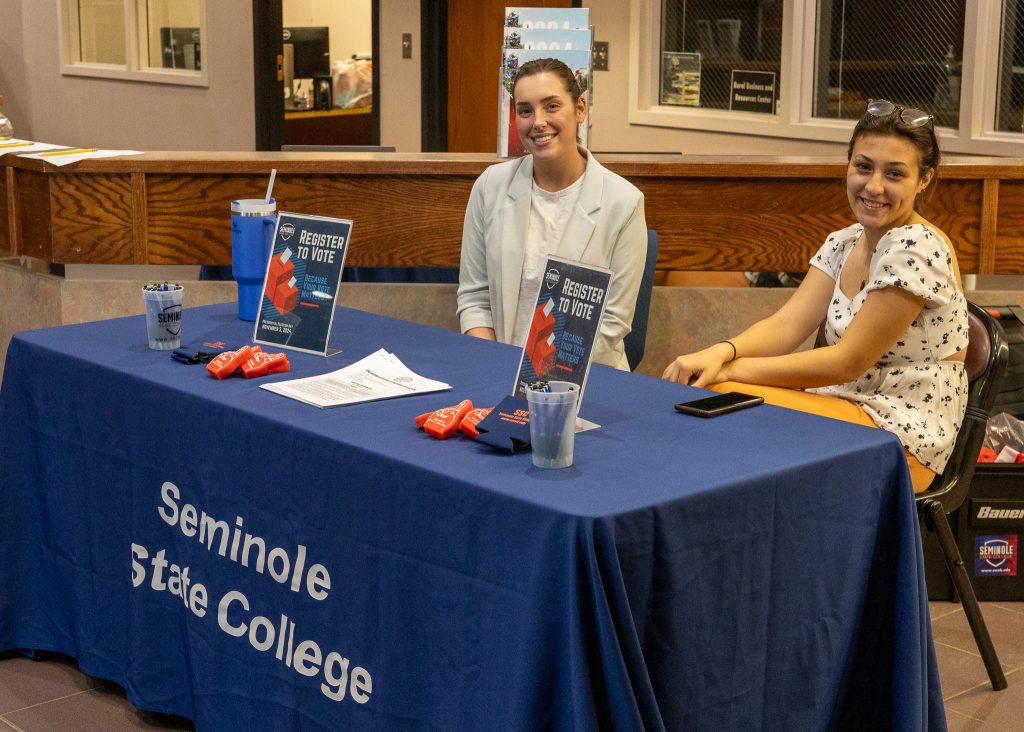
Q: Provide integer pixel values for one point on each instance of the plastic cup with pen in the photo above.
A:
(163, 315)
(252, 235)
(552, 422)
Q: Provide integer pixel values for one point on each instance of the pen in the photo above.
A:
(15, 144)
(73, 151)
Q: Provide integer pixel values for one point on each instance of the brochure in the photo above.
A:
(533, 33)
(300, 287)
(518, 17)
(577, 59)
(545, 39)
(381, 375)
(680, 79)
(569, 308)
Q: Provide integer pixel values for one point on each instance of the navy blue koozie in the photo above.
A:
(507, 427)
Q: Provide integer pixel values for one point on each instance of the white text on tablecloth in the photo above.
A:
(235, 615)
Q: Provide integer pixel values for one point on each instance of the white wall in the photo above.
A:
(350, 22)
(126, 114)
(12, 66)
(399, 96)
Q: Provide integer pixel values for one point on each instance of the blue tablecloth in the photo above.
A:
(760, 570)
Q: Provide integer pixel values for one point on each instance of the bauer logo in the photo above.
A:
(990, 512)
(995, 556)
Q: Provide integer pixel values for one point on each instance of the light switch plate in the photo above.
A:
(599, 61)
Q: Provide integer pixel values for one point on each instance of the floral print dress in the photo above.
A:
(911, 391)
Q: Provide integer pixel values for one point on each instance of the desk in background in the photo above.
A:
(329, 127)
(759, 570)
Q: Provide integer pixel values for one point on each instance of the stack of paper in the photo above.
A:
(16, 145)
(74, 154)
(56, 154)
(535, 33)
(381, 375)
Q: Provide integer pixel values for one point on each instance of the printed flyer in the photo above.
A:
(301, 284)
(543, 39)
(577, 59)
(519, 17)
(680, 79)
(569, 308)
(533, 33)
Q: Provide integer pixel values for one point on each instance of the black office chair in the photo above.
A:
(635, 342)
(987, 354)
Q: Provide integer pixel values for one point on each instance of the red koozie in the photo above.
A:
(279, 363)
(228, 362)
(257, 365)
(471, 420)
(261, 364)
(443, 423)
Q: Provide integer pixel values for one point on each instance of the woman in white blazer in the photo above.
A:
(557, 200)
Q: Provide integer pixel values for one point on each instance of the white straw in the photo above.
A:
(270, 186)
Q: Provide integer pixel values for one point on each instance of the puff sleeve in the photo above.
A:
(830, 257)
(917, 260)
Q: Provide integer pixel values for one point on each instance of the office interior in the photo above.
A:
(688, 309)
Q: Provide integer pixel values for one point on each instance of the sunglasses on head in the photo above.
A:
(910, 116)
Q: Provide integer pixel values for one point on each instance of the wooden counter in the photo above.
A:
(713, 214)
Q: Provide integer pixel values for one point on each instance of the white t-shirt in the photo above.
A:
(549, 214)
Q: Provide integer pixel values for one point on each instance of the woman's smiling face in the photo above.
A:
(546, 117)
(883, 180)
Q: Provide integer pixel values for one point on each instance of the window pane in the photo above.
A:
(328, 65)
(101, 31)
(721, 54)
(173, 34)
(1010, 104)
(907, 51)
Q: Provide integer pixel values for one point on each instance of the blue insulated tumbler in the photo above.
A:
(252, 234)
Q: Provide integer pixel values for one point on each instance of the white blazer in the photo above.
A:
(607, 229)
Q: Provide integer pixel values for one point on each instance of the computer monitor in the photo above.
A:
(180, 48)
(311, 51)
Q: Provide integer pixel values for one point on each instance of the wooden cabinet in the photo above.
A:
(329, 127)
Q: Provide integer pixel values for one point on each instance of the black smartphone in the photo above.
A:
(719, 404)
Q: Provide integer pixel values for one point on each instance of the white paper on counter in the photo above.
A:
(16, 145)
(61, 160)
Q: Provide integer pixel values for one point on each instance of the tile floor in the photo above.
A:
(51, 695)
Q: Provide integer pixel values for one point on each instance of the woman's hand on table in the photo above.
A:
(702, 368)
